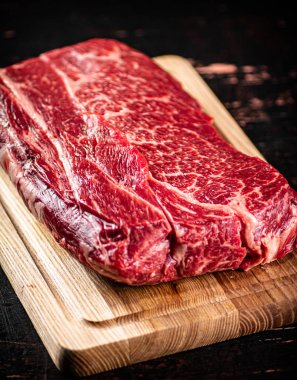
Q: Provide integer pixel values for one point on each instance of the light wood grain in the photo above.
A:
(91, 324)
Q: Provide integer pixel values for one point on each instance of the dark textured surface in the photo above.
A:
(259, 88)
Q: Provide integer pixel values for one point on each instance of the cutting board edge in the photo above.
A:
(228, 315)
(71, 359)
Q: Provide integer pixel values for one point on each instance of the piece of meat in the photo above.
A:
(129, 174)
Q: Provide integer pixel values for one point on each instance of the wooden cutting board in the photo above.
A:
(90, 324)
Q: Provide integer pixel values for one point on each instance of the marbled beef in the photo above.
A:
(129, 174)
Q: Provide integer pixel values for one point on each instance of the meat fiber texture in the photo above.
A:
(128, 173)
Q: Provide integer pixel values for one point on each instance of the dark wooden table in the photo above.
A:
(258, 85)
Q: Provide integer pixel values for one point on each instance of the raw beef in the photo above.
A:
(129, 174)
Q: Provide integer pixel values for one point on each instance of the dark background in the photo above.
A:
(260, 89)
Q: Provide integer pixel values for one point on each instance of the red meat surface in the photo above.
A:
(129, 174)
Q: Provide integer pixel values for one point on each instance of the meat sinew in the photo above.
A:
(129, 174)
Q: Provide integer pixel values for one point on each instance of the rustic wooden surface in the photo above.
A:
(260, 91)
